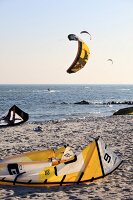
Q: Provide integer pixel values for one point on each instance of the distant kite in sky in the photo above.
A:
(110, 60)
(81, 57)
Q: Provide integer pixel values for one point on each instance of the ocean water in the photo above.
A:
(57, 102)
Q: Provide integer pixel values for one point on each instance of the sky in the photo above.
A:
(34, 45)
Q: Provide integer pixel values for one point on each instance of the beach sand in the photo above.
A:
(116, 131)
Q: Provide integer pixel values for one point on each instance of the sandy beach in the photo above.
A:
(116, 131)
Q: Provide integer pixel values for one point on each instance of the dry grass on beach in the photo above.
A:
(116, 131)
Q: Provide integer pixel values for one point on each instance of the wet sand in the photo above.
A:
(116, 131)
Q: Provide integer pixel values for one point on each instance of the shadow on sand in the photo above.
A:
(31, 192)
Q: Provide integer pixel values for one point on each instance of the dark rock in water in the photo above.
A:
(64, 102)
(130, 102)
(124, 111)
(82, 102)
(112, 102)
(119, 102)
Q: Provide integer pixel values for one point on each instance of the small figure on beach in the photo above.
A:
(38, 129)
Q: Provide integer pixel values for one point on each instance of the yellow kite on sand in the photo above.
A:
(95, 161)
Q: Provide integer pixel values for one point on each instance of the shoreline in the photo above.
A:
(116, 131)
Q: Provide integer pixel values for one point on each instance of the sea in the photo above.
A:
(65, 101)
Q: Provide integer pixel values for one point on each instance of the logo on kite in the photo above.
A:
(81, 57)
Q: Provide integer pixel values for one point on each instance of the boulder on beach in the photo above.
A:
(124, 111)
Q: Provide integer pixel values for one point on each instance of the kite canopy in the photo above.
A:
(81, 57)
(14, 117)
(95, 161)
(124, 111)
